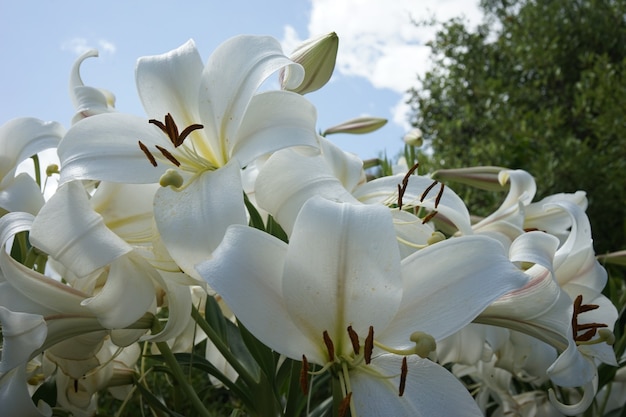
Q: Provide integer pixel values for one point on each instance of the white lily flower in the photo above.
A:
(337, 175)
(340, 296)
(20, 139)
(70, 231)
(206, 122)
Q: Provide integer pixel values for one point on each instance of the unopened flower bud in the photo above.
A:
(414, 138)
(484, 178)
(357, 126)
(317, 56)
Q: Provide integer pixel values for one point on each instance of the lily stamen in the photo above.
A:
(590, 329)
(404, 370)
(329, 346)
(354, 338)
(304, 376)
(145, 150)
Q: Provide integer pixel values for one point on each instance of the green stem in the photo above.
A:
(223, 348)
(182, 380)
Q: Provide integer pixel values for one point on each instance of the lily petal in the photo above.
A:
(253, 289)
(23, 137)
(21, 194)
(168, 83)
(22, 334)
(430, 390)
(127, 294)
(232, 75)
(342, 259)
(284, 195)
(104, 147)
(68, 229)
(274, 120)
(192, 221)
(454, 281)
(15, 398)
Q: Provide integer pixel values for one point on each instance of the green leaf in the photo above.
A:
(215, 318)
(256, 220)
(274, 229)
(47, 392)
(154, 402)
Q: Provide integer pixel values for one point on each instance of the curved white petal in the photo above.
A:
(23, 137)
(540, 309)
(127, 209)
(15, 397)
(105, 147)
(68, 229)
(283, 195)
(25, 290)
(247, 272)
(274, 120)
(178, 301)
(192, 221)
(22, 334)
(446, 285)
(170, 82)
(347, 167)
(21, 194)
(430, 390)
(342, 260)
(230, 78)
(521, 192)
(127, 294)
(411, 232)
(385, 190)
(88, 101)
(555, 222)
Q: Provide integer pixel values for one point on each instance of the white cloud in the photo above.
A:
(379, 41)
(79, 45)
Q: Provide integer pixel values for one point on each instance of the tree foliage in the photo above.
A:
(541, 86)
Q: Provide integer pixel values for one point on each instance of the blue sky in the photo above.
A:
(380, 51)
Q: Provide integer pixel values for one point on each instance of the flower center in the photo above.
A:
(340, 363)
(182, 155)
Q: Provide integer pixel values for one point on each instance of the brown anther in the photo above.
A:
(304, 376)
(590, 329)
(439, 195)
(369, 346)
(405, 183)
(354, 338)
(168, 155)
(404, 370)
(427, 190)
(145, 150)
(329, 346)
(76, 385)
(345, 405)
(186, 132)
(429, 217)
(171, 130)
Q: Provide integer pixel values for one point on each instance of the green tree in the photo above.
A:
(540, 85)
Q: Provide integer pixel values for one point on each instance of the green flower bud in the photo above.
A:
(414, 138)
(484, 178)
(357, 126)
(317, 56)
